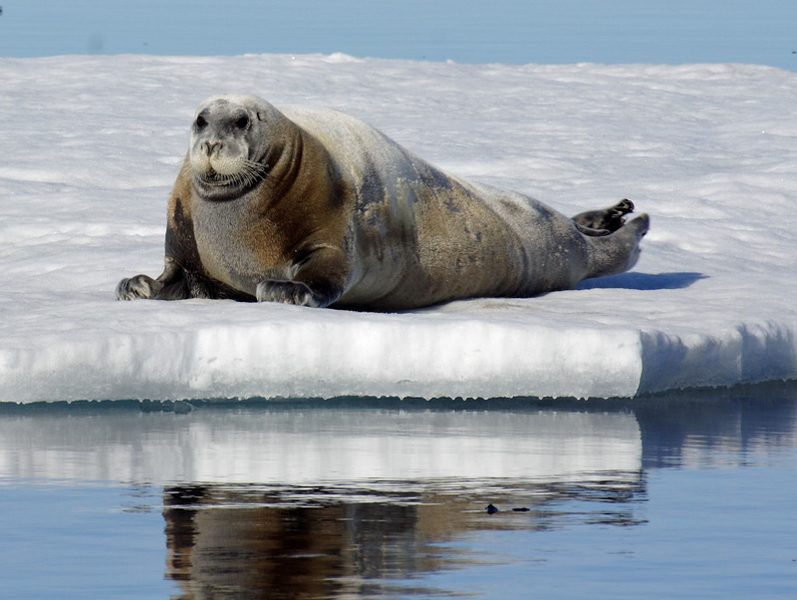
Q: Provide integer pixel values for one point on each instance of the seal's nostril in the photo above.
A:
(211, 149)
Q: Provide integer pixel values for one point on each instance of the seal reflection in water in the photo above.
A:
(313, 207)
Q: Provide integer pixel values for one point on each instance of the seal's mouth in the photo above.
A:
(248, 174)
(211, 177)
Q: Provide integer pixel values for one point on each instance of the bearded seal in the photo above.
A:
(313, 207)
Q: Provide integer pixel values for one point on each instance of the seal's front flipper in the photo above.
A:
(285, 292)
(601, 222)
(297, 292)
(318, 279)
(170, 285)
(139, 287)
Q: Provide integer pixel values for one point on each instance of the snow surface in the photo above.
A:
(92, 145)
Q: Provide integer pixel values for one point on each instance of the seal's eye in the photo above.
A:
(201, 122)
(242, 122)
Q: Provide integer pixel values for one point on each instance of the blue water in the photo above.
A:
(510, 31)
(688, 496)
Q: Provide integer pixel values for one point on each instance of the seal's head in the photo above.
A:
(230, 145)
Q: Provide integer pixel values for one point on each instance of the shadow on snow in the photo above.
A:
(644, 281)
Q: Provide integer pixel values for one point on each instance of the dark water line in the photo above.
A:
(770, 392)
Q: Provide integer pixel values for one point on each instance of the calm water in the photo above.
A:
(688, 497)
(511, 31)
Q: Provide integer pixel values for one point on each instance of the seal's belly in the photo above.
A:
(235, 246)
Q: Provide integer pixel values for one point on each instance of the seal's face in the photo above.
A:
(229, 143)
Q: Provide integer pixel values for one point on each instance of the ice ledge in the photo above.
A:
(746, 353)
(387, 355)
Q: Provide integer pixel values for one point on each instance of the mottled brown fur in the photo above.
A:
(344, 216)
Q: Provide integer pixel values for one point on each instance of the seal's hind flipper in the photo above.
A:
(609, 219)
(618, 252)
(590, 231)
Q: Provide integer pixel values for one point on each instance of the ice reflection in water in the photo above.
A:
(350, 499)
(322, 443)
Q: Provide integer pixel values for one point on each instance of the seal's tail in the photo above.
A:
(617, 251)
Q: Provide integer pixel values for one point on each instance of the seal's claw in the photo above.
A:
(624, 207)
(135, 288)
(285, 292)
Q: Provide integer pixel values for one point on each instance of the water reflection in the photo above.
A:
(316, 443)
(257, 542)
(371, 499)
(723, 427)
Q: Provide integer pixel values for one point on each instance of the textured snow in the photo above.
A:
(92, 145)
